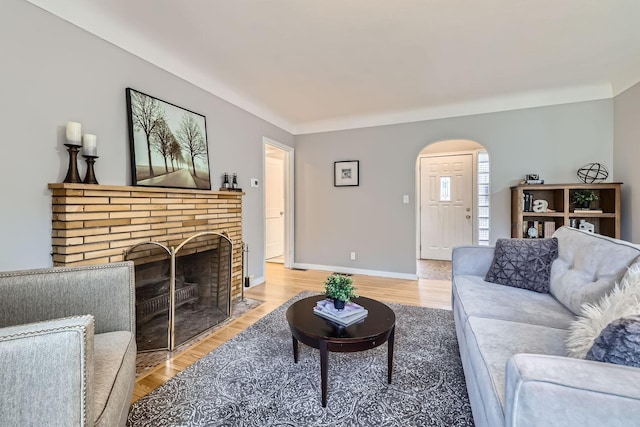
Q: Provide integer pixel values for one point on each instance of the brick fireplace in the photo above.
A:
(93, 224)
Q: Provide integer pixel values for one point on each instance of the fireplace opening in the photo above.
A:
(181, 292)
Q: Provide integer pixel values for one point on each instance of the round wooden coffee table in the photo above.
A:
(315, 331)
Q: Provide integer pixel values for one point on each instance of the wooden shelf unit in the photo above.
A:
(559, 197)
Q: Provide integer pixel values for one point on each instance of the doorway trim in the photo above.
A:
(289, 218)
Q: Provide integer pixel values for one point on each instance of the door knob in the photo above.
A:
(281, 212)
(468, 209)
(468, 216)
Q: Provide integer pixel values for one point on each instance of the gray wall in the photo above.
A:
(626, 152)
(452, 145)
(53, 72)
(371, 219)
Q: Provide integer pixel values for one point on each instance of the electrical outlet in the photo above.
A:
(251, 278)
(353, 256)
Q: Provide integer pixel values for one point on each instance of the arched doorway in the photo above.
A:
(452, 182)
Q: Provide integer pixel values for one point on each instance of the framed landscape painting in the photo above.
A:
(168, 144)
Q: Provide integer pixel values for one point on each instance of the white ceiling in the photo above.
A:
(310, 66)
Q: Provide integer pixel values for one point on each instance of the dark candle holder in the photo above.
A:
(72, 173)
(90, 178)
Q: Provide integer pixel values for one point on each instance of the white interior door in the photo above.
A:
(274, 205)
(446, 204)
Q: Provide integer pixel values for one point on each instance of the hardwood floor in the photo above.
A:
(280, 286)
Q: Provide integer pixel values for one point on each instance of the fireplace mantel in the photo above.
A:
(94, 224)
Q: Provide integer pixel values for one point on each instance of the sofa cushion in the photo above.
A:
(618, 343)
(588, 266)
(476, 297)
(492, 342)
(523, 263)
(623, 301)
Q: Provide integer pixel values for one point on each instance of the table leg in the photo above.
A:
(390, 353)
(295, 349)
(324, 361)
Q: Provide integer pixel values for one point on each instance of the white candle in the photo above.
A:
(74, 132)
(89, 145)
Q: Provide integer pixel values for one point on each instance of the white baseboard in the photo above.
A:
(348, 270)
(257, 281)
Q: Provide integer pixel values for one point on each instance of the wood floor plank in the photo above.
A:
(283, 284)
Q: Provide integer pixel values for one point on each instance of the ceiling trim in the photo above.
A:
(110, 30)
(480, 106)
(121, 36)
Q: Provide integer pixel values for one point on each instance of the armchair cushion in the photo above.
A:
(78, 370)
(115, 354)
(44, 356)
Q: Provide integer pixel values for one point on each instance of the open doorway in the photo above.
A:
(452, 194)
(278, 202)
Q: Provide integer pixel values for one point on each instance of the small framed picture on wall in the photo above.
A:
(346, 173)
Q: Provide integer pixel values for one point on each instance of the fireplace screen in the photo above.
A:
(180, 292)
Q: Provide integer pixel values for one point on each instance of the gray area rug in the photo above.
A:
(146, 361)
(251, 380)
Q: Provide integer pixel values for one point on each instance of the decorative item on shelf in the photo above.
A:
(90, 177)
(90, 153)
(532, 179)
(593, 173)
(583, 198)
(549, 228)
(540, 205)
(89, 146)
(73, 144)
(527, 200)
(230, 185)
(587, 226)
(340, 289)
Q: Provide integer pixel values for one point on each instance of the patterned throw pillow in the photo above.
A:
(523, 263)
(618, 343)
(623, 301)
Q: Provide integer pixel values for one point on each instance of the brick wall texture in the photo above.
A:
(94, 224)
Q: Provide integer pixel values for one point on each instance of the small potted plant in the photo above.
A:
(340, 289)
(583, 198)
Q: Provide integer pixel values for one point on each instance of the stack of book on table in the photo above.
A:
(351, 313)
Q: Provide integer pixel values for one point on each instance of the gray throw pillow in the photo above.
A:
(618, 343)
(523, 263)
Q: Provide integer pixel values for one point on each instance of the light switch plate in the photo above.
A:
(254, 182)
(405, 198)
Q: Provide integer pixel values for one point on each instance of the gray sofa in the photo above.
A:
(512, 341)
(67, 346)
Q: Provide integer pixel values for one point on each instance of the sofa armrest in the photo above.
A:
(542, 390)
(106, 291)
(471, 260)
(47, 373)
